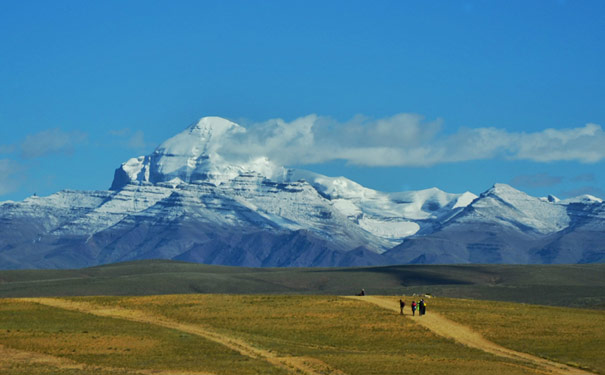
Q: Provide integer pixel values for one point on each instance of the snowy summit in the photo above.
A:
(191, 156)
(190, 202)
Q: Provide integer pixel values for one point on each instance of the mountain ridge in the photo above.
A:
(188, 201)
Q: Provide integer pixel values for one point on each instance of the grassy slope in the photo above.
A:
(112, 345)
(353, 336)
(566, 285)
(571, 336)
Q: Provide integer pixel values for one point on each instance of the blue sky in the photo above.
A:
(396, 95)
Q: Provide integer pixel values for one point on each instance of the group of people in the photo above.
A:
(420, 306)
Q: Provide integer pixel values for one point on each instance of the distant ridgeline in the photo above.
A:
(186, 201)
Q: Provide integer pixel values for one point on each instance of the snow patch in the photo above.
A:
(586, 199)
(395, 230)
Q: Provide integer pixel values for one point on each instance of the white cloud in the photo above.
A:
(586, 144)
(53, 141)
(408, 140)
(129, 139)
(137, 140)
(7, 149)
(10, 181)
(315, 139)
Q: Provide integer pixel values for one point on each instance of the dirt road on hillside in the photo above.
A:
(466, 336)
(294, 365)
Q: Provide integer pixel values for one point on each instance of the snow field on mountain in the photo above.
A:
(187, 200)
(512, 207)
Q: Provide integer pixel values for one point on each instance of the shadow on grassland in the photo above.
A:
(564, 285)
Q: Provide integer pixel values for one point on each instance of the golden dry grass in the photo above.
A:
(242, 334)
(354, 337)
(566, 335)
(114, 343)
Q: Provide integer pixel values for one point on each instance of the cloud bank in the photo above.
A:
(408, 140)
(9, 171)
(53, 141)
(538, 180)
(129, 139)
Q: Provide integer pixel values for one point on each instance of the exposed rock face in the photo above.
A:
(187, 201)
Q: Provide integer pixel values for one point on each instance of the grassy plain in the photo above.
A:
(354, 337)
(564, 285)
(351, 337)
(85, 344)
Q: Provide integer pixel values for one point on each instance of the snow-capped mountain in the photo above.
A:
(505, 225)
(188, 201)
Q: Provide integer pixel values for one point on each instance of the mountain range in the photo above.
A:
(190, 201)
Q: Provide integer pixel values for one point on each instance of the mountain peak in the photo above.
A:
(502, 188)
(191, 155)
(506, 205)
(203, 137)
(505, 192)
(213, 124)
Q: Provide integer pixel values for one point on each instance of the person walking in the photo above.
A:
(401, 306)
(421, 305)
(414, 308)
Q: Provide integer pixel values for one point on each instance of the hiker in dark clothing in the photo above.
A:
(422, 307)
(413, 308)
(401, 306)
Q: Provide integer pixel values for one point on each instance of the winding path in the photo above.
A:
(466, 336)
(292, 364)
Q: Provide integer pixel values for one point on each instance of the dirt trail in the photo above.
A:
(295, 365)
(466, 336)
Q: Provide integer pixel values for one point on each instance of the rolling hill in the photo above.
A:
(564, 285)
